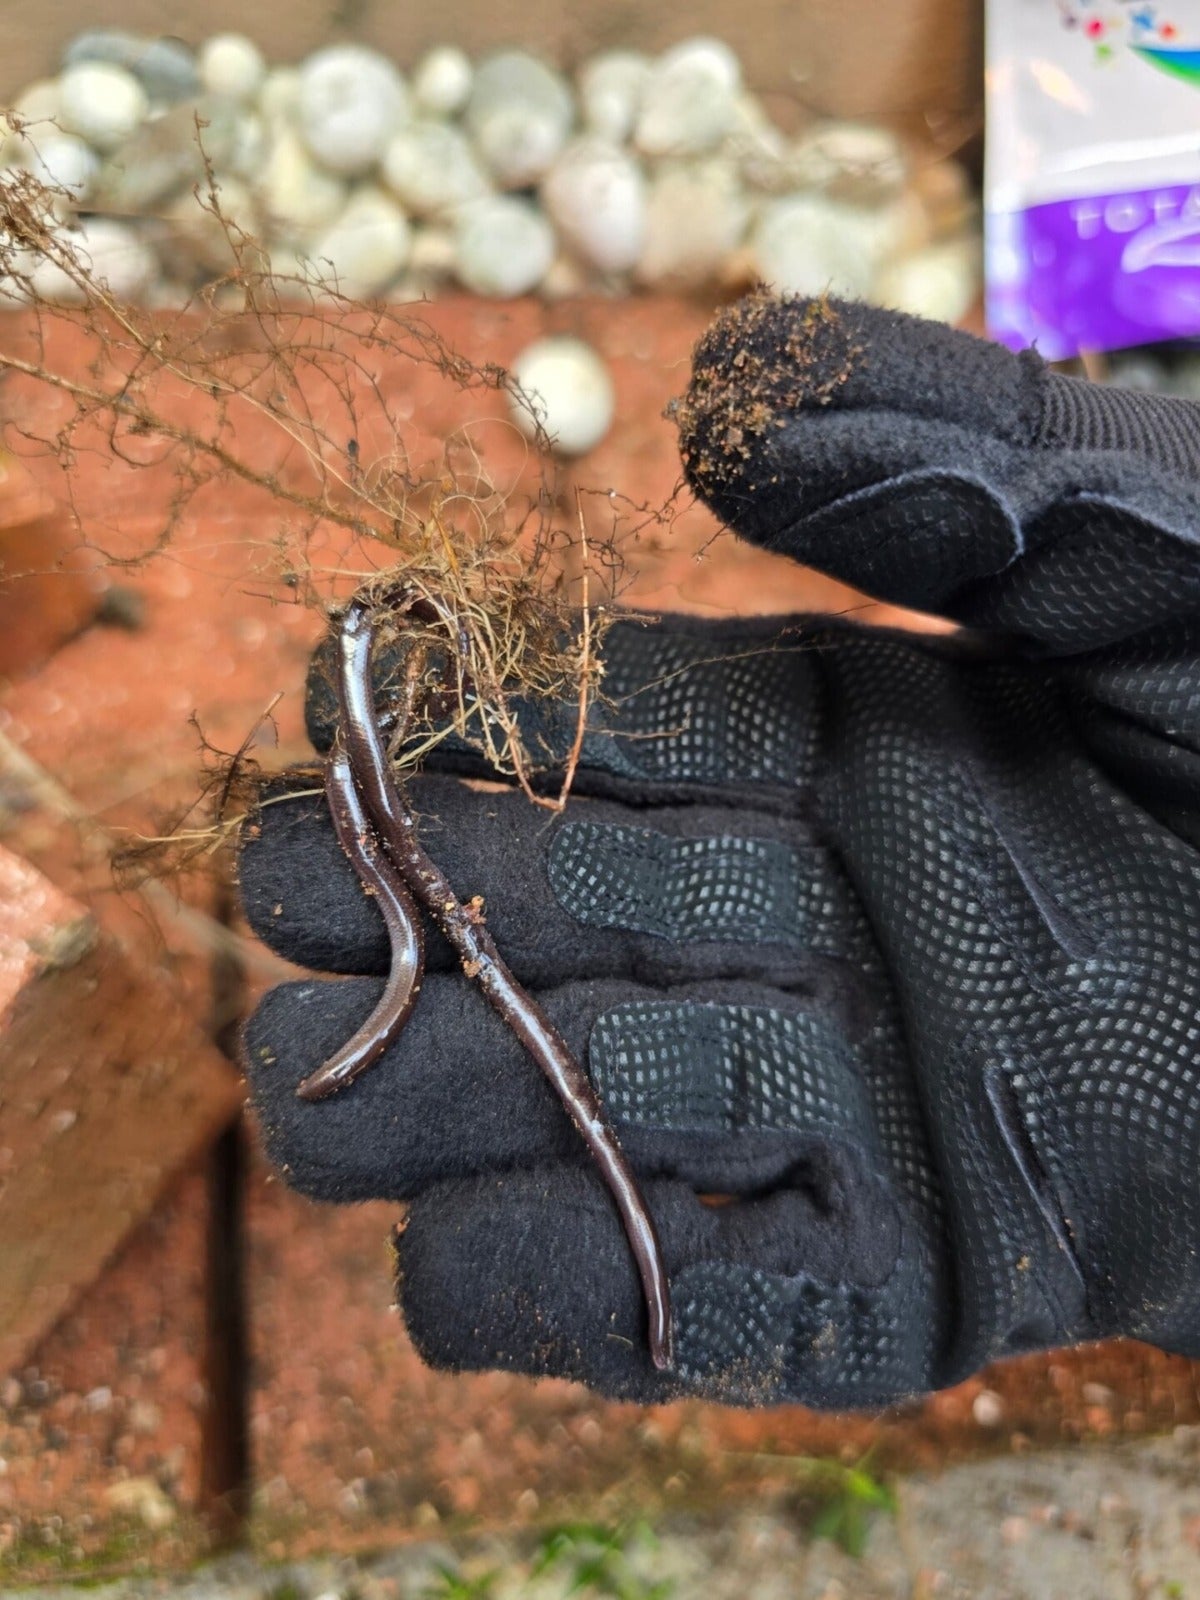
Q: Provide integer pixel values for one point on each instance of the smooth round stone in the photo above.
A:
(610, 92)
(503, 246)
(432, 258)
(696, 216)
(297, 198)
(855, 161)
(595, 195)
(756, 144)
(442, 82)
(279, 98)
(198, 236)
(688, 102)
(364, 250)
(163, 155)
(519, 115)
(351, 102)
(102, 103)
(249, 147)
(233, 66)
(63, 161)
(165, 68)
(567, 391)
(941, 282)
(112, 255)
(432, 168)
(808, 244)
(38, 104)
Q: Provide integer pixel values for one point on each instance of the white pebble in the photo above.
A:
(112, 256)
(297, 198)
(610, 92)
(39, 103)
(688, 102)
(696, 216)
(352, 100)
(503, 246)
(940, 282)
(198, 234)
(567, 390)
(366, 247)
(432, 168)
(442, 82)
(431, 258)
(101, 103)
(63, 161)
(808, 244)
(232, 65)
(857, 160)
(279, 98)
(519, 115)
(595, 195)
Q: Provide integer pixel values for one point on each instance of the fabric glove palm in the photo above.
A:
(887, 942)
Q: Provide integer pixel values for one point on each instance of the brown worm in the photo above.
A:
(407, 939)
(361, 747)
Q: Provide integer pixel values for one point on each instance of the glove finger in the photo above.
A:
(705, 892)
(726, 1086)
(826, 1299)
(693, 711)
(936, 470)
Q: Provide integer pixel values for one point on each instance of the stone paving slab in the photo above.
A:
(1101, 1522)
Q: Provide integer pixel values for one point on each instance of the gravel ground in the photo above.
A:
(1118, 1522)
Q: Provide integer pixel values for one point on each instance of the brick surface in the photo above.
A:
(100, 1429)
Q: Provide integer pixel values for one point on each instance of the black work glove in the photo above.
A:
(892, 942)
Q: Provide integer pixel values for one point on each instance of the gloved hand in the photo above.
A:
(891, 942)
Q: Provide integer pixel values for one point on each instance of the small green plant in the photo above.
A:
(451, 1584)
(598, 1560)
(849, 1498)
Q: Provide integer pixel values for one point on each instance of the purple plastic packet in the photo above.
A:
(1092, 188)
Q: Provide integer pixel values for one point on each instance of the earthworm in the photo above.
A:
(406, 936)
(362, 747)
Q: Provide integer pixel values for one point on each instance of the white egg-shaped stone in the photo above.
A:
(37, 106)
(351, 102)
(298, 199)
(858, 161)
(201, 236)
(102, 103)
(63, 161)
(110, 254)
(279, 98)
(610, 92)
(431, 260)
(941, 282)
(250, 146)
(364, 249)
(689, 100)
(696, 217)
(233, 66)
(519, 115)
(809, 244)
(503, 246)
(595, 194)
(566, 390)
(432, 167)
(442, 82)
(39, 101)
